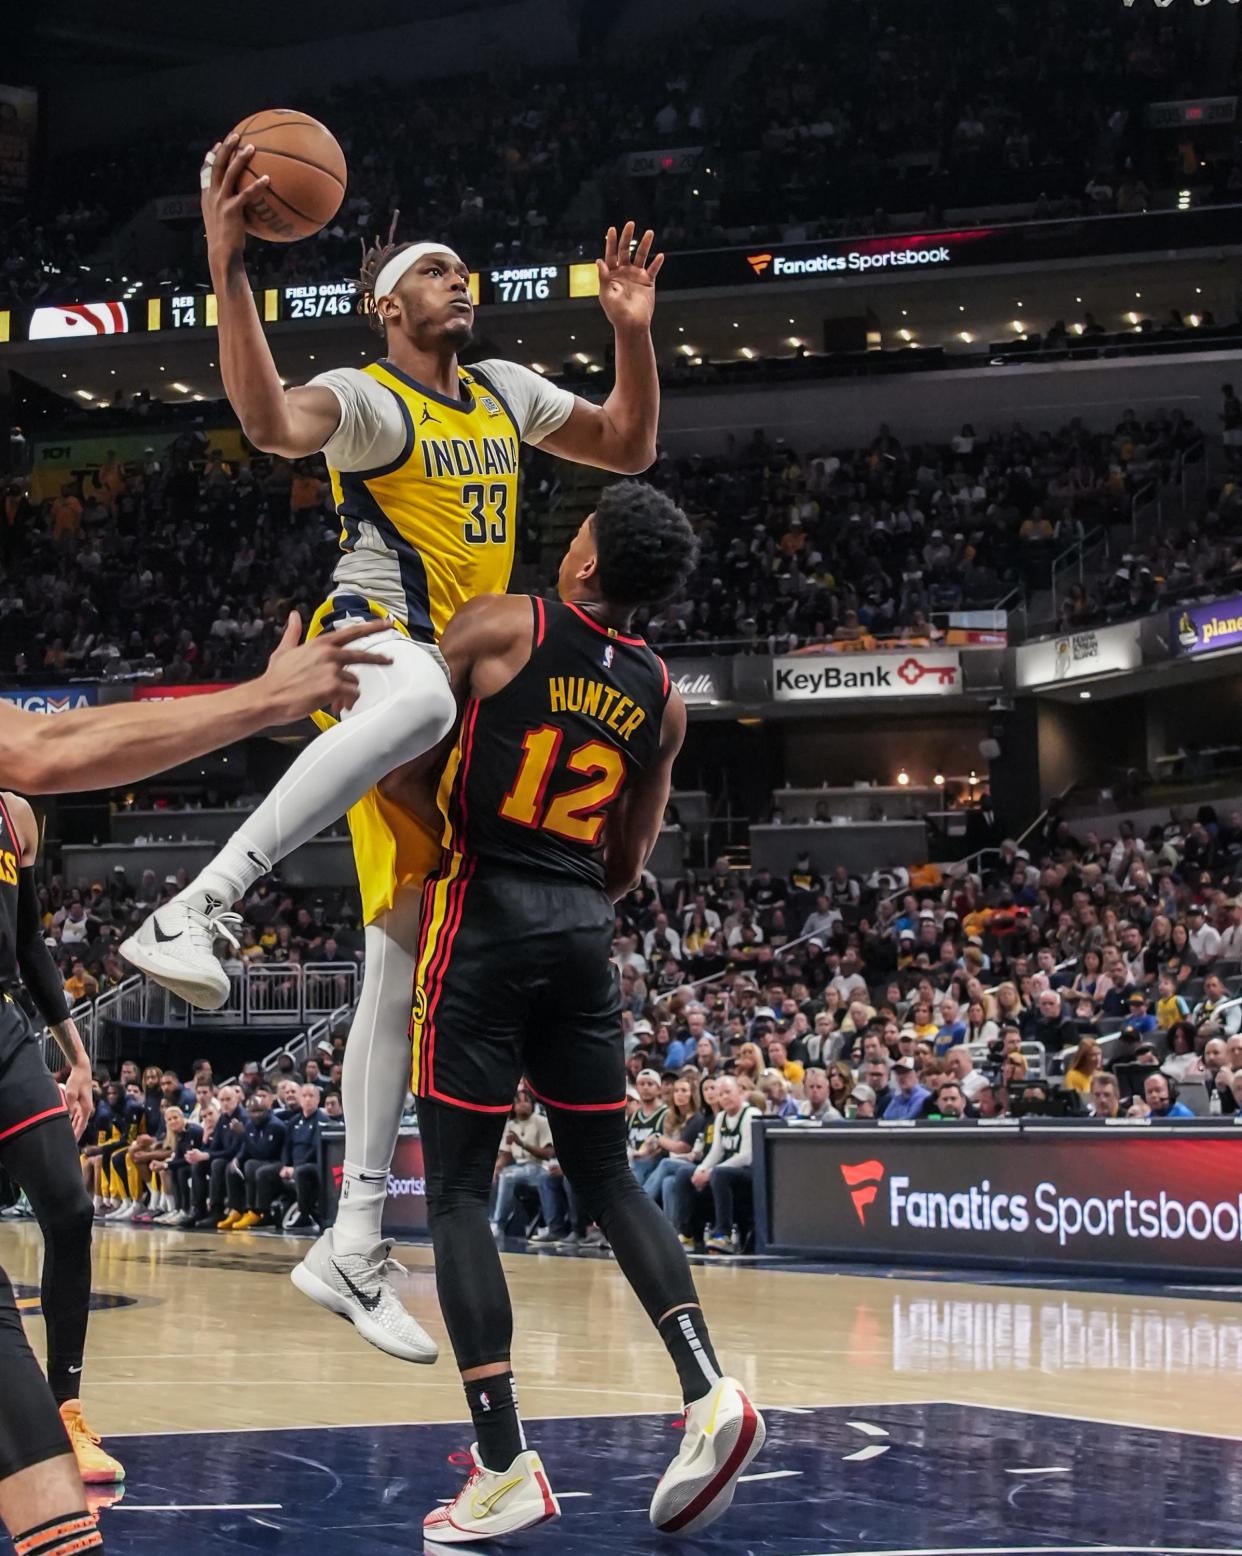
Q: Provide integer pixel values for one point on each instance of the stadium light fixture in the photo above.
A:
(938, 780)
(180, 387)
(966, 337)
(905, 335)
(84, 394)
(1086, 696)
(903, 778)
(748, 353)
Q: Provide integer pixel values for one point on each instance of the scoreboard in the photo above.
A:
(504, 286)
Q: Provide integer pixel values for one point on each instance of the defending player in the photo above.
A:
(41, 1499)
(553, 799)
(423, 458)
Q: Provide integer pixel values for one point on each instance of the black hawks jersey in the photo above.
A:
(10, 866)
(538, 764)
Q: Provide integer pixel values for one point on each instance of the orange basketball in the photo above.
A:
(307, 171)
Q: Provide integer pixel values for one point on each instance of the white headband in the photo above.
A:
(397, 266)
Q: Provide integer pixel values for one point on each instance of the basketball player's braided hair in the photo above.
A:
(374, 257)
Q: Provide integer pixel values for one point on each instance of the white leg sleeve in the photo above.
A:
(376, 1073)
(403, 709)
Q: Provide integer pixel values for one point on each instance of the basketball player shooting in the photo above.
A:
(423, 459)
(46, 1448)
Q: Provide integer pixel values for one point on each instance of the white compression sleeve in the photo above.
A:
(403, 709)
(376, 1074)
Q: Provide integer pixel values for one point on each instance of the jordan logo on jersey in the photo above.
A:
(427, 416)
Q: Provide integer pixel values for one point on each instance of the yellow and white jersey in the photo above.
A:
(426, 486)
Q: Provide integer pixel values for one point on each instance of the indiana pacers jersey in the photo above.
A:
(435, 527)
(538, 764)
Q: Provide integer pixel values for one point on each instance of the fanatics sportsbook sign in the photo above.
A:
(917, 672)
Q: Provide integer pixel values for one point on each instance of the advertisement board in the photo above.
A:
(159, 693)
(59, 699)
(1095, 651)
(702, 681)
(829, 677)
(1146, 1198)
(405, 1208)
(1202, 629)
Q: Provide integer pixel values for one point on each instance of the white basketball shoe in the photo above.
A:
(176, 947)
(359, 1287)
(495, 1502)
(723, 1434)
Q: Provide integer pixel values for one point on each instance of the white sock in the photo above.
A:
(99, 1202)
(403, 709)
(376, 1074)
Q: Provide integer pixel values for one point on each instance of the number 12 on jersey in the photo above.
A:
(483, 526)
(577, 814)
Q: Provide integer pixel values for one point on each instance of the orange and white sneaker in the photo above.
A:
(495, 1502)
(94, 1465)
(723, 1434)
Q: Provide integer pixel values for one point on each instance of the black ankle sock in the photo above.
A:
(687, 1341)
(494, 1411)
(69, 1532)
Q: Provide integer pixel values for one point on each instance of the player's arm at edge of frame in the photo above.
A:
(634, 822)
(95, 748)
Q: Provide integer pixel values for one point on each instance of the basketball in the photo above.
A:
(307, 171)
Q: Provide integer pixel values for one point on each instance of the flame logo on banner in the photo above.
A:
(863, 1180)
(758, 262)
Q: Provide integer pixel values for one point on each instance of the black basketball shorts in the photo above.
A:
(514, 978)
(28, 1094)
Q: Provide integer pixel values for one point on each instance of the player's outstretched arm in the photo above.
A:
(293, 422)
(620, 434)
(95, 748)
(635, 820)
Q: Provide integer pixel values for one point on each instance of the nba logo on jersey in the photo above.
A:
(607, 659)
(489, 405)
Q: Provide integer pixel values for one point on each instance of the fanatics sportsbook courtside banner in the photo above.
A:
(1141, 1198)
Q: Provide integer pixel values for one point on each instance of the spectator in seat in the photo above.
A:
(180, 1137)
(875, 1074)
(1048, 1025)
(1088, 1060)
(1170, 1006)
(1105, 1096)
(950, 1102)
(726, 1168)
(962, 1069)
(1159, 1099)
(1182, 1056)
(1206, 1017)
(670, 1184)
(1204, 939)
(300, 1158)
(646, 1124)
(333, 1108)
(527, 1144)
(816, 1104)
(254, 1172)
(910, 1095)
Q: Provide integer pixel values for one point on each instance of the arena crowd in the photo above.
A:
(1039, 113)
(184, 564)
(1086, 974)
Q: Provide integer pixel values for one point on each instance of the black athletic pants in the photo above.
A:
(30, 1426)
(459, 1153)
(44, 1161)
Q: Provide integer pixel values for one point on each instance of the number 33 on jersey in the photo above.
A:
(440, 518)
